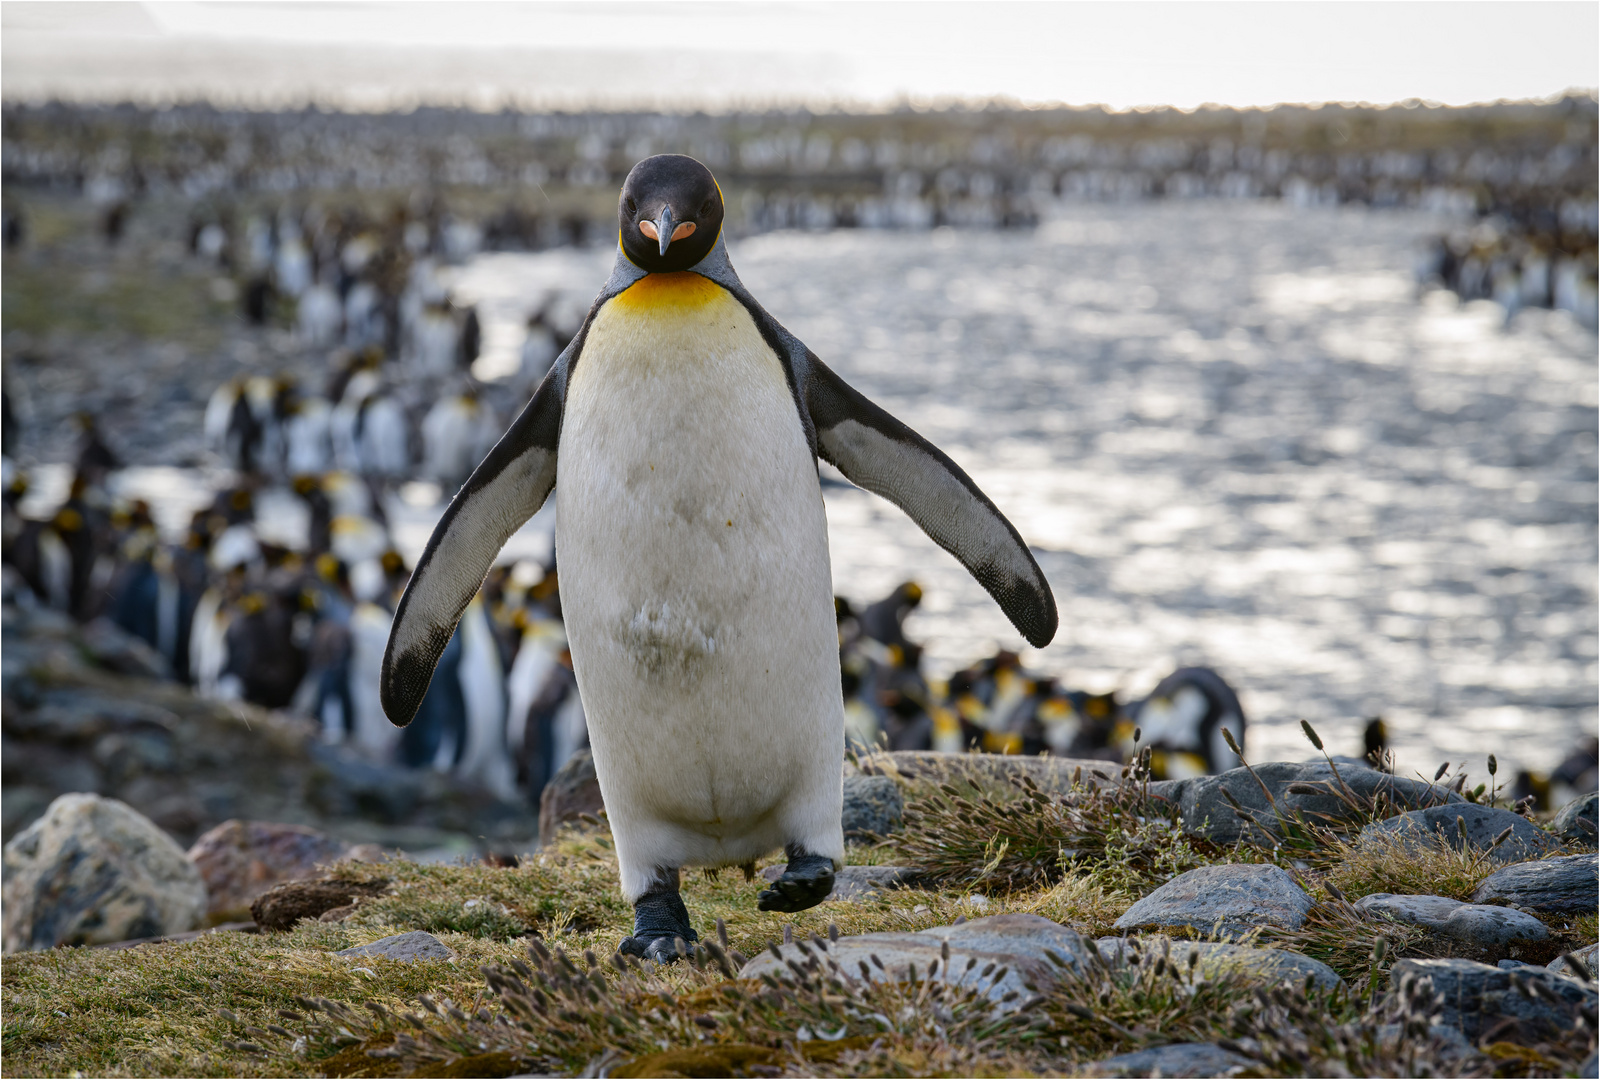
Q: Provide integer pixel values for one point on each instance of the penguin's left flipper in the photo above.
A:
(879, 453)
(503, 492)
(805, 883)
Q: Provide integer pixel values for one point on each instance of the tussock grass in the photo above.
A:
(1288, 1033)
(1360, 949)
(570, 1013)
(157, 1009)
(977, 837)
(1160, 994)
(1410, 864)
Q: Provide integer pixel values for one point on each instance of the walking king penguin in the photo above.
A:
(680, 430)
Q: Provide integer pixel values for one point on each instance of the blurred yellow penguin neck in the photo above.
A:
(658, 292)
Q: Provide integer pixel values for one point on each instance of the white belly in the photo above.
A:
(693, 555)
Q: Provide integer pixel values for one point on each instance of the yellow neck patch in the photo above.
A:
(655, 292)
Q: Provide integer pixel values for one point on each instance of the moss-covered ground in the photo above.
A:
(217, 1006)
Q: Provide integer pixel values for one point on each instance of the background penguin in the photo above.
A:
(1182, 722)
(454, 438)
(885, 620)
(693, 543)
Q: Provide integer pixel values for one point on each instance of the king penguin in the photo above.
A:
(680, 430)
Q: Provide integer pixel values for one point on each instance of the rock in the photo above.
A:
(114, 648)
(240, 860)
(1206, 812)
(858, 882)
(407, 948)
(1561, 886)
(1483, 824)
(995, 771)
(93, 870)
(1479, 999)
(872, 806)
(1576, 820)
(1176, 1059)
(1239, 897)
(1007, 957)
(283, 905)
(1273, 965)
(572, 791)
(1489, 930)
(1583, 969)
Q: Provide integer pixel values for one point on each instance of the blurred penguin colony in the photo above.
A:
(1519, 178)
(283, 590)
(334, 232)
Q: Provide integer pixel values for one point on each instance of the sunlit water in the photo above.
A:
(1234, 435)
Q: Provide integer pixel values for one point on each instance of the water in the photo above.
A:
(1235, 436)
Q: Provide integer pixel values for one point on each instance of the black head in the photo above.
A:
(670, 213)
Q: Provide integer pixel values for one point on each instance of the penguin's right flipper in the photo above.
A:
(877, 452)
(503, 492)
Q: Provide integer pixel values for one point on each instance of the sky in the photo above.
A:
(622, 53)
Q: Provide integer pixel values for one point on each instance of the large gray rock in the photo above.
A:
(1566, 885)
(95, 870)
(1270, 966)
(1234, 898)
(1006, 957)
(572, 792)
(1489, 930)
(1477, 998)
(1576, 820)
(240, 860)
(406, 948)
(1483, 824)
(1176, 1059)
(1206, 811)
(873, 805)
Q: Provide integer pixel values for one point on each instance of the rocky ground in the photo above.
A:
(1000, 916)
(82, 713)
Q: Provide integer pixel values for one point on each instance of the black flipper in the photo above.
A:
(505, 490)
(879, 453)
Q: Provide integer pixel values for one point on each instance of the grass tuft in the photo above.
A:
(1390, 863)
(1130, 840)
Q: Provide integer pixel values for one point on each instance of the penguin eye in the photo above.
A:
(632, 207)
(706, 207)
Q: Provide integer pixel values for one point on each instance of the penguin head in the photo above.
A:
(670, 213)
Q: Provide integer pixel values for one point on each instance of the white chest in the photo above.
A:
(688, 501)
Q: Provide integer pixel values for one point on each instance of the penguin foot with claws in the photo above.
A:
(805, 883)
(660, 921)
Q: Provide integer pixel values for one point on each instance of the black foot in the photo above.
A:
(659, 921)
(805, 883)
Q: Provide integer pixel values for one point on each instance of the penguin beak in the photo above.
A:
(664, 228)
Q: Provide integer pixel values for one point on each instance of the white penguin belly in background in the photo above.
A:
(694, 565)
